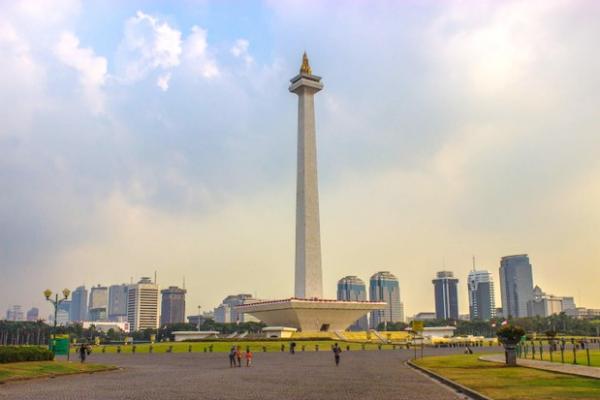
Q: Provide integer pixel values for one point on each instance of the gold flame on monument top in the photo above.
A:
(305, 67)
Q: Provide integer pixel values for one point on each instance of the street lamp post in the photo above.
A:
(199, 322)
(55, 302)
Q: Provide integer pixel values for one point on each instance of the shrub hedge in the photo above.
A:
(9, 354)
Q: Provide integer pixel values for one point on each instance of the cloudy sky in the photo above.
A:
(139, 136)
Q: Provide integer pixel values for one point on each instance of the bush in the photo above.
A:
(510, 334)
(9, 354)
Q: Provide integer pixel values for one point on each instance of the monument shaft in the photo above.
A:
(308, 276)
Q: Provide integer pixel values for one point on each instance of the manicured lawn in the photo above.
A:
(500, 382)
(224, 346)
(581, 357)
(38, 369)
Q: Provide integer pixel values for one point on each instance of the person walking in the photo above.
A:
(82, 352)
(248, 357)
(336, 353)
(232, 357)
(238, 356)
(293, 348)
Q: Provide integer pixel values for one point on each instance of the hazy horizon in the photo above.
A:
(156, 136)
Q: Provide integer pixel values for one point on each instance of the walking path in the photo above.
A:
(377, 375)
(581, 370)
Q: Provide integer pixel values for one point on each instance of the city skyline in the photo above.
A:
(121, 160)
(190, 309)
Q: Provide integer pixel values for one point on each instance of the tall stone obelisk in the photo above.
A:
(308, 276)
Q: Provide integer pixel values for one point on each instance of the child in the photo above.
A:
(248, 357)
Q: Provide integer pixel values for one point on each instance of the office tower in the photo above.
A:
(117, 303)
(446, 295)
(568, 303)
(544, 305)
(15, 313)
(516, 285)
(482, 304)
(172, 305)
(227, 311)
(384, 287)
(79, 299)
(142, 305)
(223, 314)
(98, 303)
(352, 288)
(63, 312)
(33, 314)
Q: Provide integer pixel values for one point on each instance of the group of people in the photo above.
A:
(235, 356)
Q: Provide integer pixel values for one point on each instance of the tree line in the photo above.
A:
(38, 332)
(560, 324)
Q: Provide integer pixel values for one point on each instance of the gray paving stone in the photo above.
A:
(306, 376)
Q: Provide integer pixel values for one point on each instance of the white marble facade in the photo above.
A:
(308, 276)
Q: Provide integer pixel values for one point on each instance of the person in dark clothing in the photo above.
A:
(82, 352)
(293, 347)
(336, 353)
(232, 357)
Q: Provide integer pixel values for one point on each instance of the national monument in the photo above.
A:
(307, 310)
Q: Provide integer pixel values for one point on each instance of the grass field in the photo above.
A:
(503, 383)
(224, 346)
(581, 357)
(39, 369)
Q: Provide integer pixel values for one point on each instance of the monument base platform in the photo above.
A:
(310, 315)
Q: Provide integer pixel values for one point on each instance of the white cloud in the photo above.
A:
(240, 50)
(91, 68)
(163, 81)
(197, 54)
(21, 81)
(149, 44)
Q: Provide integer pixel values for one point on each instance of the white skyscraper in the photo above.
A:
(142, 305)
(482, 304)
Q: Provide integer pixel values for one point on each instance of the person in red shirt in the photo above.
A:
(248, 357)
(238, 356)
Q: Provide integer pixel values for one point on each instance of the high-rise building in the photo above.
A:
(223, 314)
(117, 303)
(482, 304)
(15, 313)
(33, 314)
(172, 306)
(384, 287)
(79, 299)
(544, 305)
(446, 295)
(568, 303)
(62, 317)
(516, 285)
(228, 312)
(64, 312)
(352, 288)
(98, 303)
(142, 305)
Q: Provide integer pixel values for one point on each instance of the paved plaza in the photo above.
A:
(310, 375)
